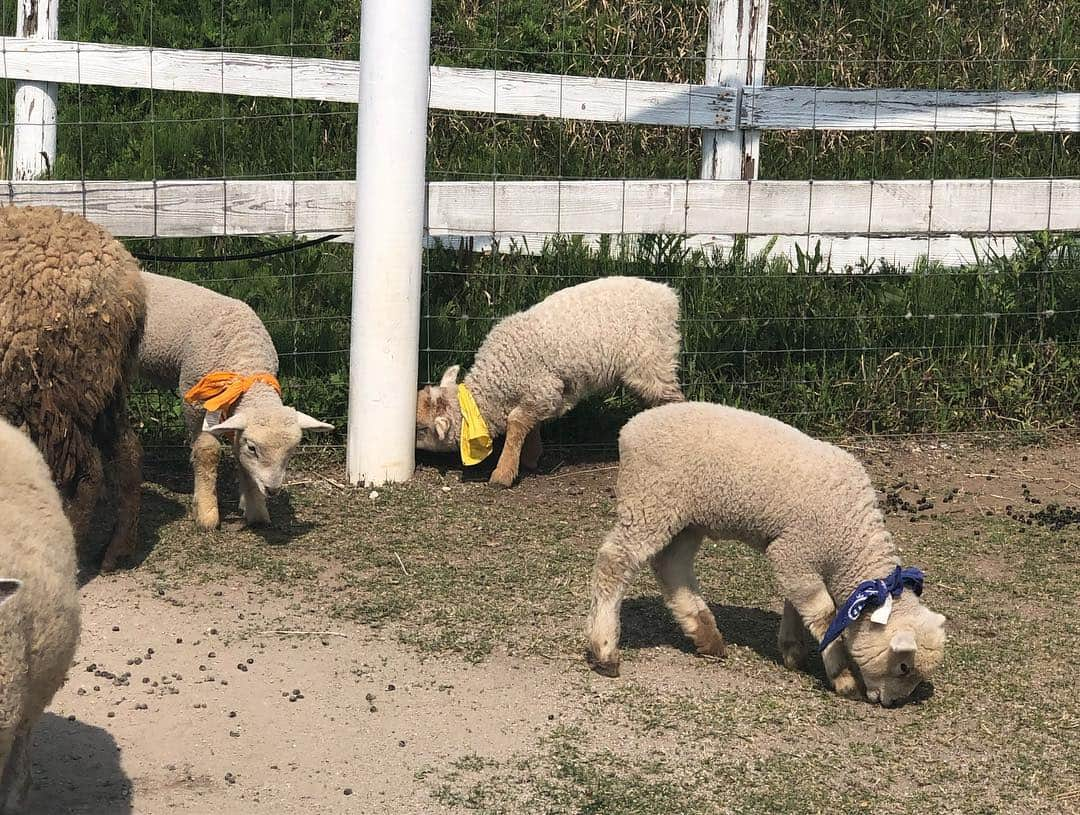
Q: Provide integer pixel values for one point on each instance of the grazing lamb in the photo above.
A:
(694, 470)
(219, 353)
(537, 364)
(72, 306)
(39, 605)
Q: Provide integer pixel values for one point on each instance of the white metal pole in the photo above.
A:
(34, 146)
(734, 58)
(391, 150)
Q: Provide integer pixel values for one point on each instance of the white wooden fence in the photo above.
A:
(900, 219)
(720, 207)
(509, 208)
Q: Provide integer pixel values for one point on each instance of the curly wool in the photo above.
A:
(755, 479)
(696, 469)
(580, 340)
(71, 315)
(192, 331)
(39, 623)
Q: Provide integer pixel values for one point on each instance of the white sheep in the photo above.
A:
(39, 605)
(693, 470)
(537, 364)
(216, 349)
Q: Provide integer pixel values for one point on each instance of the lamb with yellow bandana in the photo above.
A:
(219, 353)
(537, 364)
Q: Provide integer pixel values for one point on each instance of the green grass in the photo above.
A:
(994, 345)
(870, 350)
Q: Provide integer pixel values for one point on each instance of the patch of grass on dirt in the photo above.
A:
(998, 734)
(455, 567)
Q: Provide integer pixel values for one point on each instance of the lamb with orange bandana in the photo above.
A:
(220, 355)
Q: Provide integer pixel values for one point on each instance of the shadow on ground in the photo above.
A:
(647, 623)
(176, 477)
(76, 770)
(156, 511)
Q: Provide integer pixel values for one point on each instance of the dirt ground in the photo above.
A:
(418, 649)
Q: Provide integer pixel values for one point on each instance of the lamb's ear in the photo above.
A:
(449, 377)
(237, 422)
(311, 423)
(903, 642)
(8, 587)
(442, 427)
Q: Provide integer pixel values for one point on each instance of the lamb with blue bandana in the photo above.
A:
(693, 470)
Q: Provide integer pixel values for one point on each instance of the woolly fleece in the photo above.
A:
(72, 306)
(192, 331)
(39, 623)
(544, 360)
(693, 469)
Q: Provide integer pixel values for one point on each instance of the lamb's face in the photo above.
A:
(438, 415)
(895, 658)
(266, 439)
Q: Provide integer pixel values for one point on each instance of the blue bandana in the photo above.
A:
(872, 593)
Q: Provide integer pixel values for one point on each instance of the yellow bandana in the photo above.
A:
(475, 439)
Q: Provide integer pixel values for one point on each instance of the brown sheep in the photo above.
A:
(72, 308)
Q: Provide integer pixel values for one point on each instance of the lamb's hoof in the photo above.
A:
(501, 481)
(707, 637)
(609, 669)
(846, 687)
(794, 656)
(794, 662)
(715, 648)
(117, 553)
(207, 521)
(111, 562)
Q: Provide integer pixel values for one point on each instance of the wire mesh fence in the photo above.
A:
(850, 334)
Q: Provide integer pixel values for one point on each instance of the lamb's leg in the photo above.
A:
(674, 568)
(532, 449)
(518, 426)
(80, 510)
(621, 556)
(816, 608)
(127, 467)
(252, 500)
(8, 741)
(205, 454)
(15, 785)
(792, 638)
(806, 591)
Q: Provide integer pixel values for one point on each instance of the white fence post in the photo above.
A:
(735, 58)
(391, 151)
(34, 146)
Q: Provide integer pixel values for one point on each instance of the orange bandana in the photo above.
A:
(220, 390)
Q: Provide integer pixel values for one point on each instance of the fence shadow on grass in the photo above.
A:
(76, 768)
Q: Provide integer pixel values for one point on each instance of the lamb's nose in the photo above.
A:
(273, 490)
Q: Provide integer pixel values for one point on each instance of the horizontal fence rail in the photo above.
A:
(861, 208)
(837, 251)
(331, 80)
(548, 95)
(796, 108)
